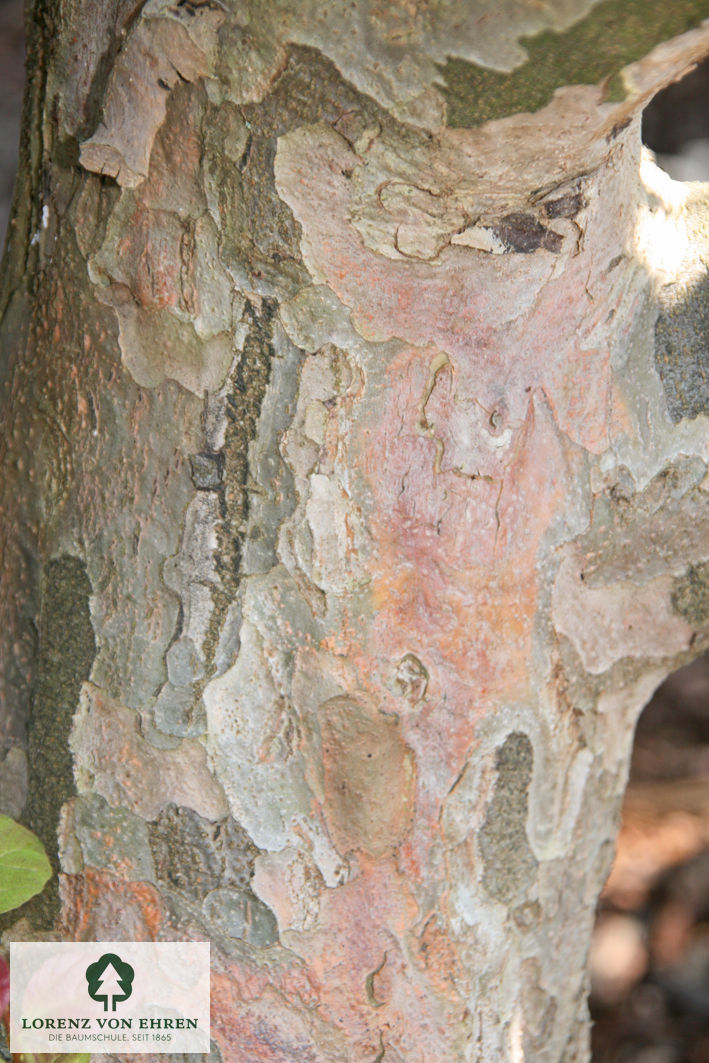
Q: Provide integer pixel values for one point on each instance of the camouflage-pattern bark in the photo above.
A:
(354, 497)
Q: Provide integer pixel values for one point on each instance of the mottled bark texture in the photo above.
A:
(353, 497)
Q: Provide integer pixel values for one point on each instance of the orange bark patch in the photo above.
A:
(254, 1019)
(440, 959)
(97, 905)
(455, 570)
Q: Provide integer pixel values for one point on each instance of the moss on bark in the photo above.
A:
(65, 655)
(594, 50)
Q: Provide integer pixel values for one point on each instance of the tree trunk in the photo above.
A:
(353, 500)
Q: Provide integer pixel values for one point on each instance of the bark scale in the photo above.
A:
(354, 498)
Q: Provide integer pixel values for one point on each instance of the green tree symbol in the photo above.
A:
(110, 979)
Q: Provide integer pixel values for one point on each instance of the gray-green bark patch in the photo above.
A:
(239, 914)
(272, 498)
(690, 597)
(112, 838)
(636, 535)
(65, 655)
(682, 348)
(509, 860)
(212, 864)
(614, 34)
(207, 470)
(195, 856)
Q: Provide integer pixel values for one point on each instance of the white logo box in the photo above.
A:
(81, 997)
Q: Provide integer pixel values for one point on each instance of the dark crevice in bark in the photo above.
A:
(243, 408)
(96, 93)
(21, 254)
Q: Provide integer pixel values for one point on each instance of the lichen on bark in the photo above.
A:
(681, 343)
(593, 50)
(504, 846)
(65, 653)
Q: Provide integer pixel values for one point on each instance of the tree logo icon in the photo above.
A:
(110, 979)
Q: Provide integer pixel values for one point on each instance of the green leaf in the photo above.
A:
(24, 867)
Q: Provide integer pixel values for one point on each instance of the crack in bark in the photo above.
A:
(424, 426)
(369, 984)
(243, 407)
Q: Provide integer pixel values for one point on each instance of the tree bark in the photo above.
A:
(354, 498)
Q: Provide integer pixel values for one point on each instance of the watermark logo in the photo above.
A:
(117, 997)
(110, 979)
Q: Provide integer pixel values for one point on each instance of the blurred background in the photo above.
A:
(650, 954)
